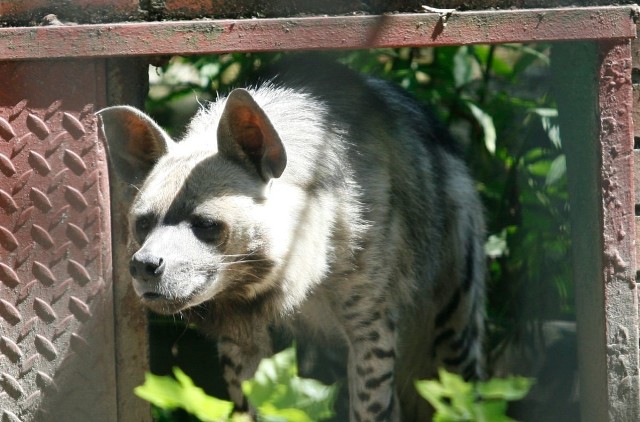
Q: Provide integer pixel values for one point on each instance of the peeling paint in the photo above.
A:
(615, 265)
(346, 32)
(619, 266)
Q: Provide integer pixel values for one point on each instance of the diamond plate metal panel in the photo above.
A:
(56, 311)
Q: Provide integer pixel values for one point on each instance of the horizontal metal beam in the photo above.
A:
(316, 33)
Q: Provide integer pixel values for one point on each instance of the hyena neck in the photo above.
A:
(238, 318)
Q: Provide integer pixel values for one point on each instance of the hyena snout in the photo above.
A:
(146, 266)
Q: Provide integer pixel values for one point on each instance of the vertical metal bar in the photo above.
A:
(618, 204)
(595, 97)
(127, 83)
(635, 61)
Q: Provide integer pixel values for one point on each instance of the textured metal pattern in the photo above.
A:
(56, 321)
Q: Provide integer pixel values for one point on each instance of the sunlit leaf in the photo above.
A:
(277, 391)
(168, 393)
(496, 245)
(512, 388)
(454, 399)
(491, 411)
(486, 121)
(548, 117)
(557, 170)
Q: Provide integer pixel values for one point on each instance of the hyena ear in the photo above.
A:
(135, 142)
(245, 134)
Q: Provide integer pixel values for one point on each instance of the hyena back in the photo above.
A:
(321, 202)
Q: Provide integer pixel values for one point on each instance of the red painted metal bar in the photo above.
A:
(595, 99)
(618, 275)
(313, 33)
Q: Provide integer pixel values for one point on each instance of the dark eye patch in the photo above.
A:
(207, 229)
(143, 225)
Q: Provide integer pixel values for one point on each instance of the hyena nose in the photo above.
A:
(146, 266)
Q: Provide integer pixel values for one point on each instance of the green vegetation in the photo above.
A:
(279, 395)
(276, 391)
(167, 393)
(455, 400)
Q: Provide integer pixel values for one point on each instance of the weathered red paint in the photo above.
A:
(618, 222)
(343, 32)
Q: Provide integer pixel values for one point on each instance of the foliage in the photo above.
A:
(279, 395)
(455, 400)
(276, 391)
(169, 393)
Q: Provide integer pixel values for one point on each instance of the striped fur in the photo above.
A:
(322, 203)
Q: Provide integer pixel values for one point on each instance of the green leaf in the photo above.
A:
(491, 411)
(435, 393)
(547, 117)
(545, 112)
(269, 413)
(512, 388)
(168, 393)
(161, 391)
(457, 400)
(496, 245)
(462, 67)
(557, 170)
(277, 392)
(486, 122)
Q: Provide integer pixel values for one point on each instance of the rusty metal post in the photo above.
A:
(635, 78)
(127, 82)
(57, 344)
(597, 131)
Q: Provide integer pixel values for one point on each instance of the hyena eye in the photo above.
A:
(207, 229)
(143, 226)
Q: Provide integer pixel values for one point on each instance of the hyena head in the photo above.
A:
(199, 227)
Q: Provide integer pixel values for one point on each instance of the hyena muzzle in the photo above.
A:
(320, 202)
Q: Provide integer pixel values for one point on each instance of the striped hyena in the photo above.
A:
(320, 202)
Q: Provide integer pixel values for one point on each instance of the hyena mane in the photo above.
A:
(321, 203)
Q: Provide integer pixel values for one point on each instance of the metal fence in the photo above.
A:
(73, 340)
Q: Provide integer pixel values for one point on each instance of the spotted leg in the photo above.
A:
(372, 354)
(239, 359)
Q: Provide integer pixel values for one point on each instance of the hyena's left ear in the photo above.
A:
(135, 142)
(246, 135)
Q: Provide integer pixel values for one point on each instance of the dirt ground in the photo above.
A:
(89, 11)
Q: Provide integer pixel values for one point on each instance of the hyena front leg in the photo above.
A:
(372, 355)
(239, 360)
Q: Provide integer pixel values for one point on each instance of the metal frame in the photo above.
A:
(597, 131)
(313, 33)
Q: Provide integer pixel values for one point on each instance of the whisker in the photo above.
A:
(240, 255)
(137, 188)
(244, 261)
